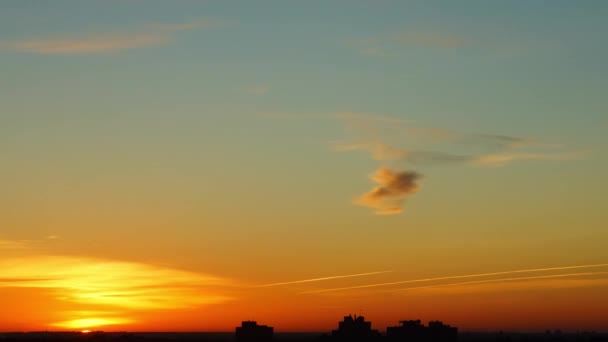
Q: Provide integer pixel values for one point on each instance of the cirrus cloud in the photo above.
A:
(153, 35)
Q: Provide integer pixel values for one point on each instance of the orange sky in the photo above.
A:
(74, 293)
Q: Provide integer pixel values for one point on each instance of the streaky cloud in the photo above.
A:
(424, 39)
(14, 244)
(501, 280)
(112, 283)
(370, 117)
(153, 35)
(324, 278)
(477, 275)
(501, 159)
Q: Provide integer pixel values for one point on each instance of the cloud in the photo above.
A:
(375, 51)
(89, 44)
(388, 197)
(324, 278)
(258, 89)
(14, 244)
(383, 152)
(476, 275)
(501, 159)
(97, 322)
(377, 46)
(364, 117)
(103, 292)
(153, 35)
(445, 41)
(396, 142)
(384, 137)
(482, 285)
(112, 283)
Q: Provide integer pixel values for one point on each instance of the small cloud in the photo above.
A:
(501, 159)
(384, 152)
(88, 45)
(104, 42)
(14, 244)
(377, 46)
(200, 24)
(258, 89)
(350, 116)
(446, 41)
(388, 196)
(375, 52)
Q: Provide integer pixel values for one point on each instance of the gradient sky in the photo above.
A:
(185, 165)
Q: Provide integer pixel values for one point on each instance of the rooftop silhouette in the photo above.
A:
(415, 331)
(251, 331)
(355, 328)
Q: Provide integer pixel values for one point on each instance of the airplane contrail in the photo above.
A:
(504, 280)
(458, 277)
(323, 278)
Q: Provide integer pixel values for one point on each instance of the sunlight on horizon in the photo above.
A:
(91, 323)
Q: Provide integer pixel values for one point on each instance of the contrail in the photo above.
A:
(458, 277)
(323, 278)
(504, 280)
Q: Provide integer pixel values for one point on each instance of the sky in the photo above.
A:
(186, 165)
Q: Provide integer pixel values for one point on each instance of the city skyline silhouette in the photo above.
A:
(425, 170)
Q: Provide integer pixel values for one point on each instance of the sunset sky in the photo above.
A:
(186, 165)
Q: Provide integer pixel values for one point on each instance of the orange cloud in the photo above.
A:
(113, 283)
(387, 198)
(501, 159)
(103, 43)
(324, 278)
(477, 275)
(482, 285)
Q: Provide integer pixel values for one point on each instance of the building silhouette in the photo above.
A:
(251, 331)
(415, 331)
(355, 328)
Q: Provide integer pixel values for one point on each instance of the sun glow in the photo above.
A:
(113, 283)
(87, 323)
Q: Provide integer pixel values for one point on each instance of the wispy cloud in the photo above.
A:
(151, 35)
(514, 279)
(375, 51)
(427, 39)
(258, 89)
(477, 275)
(324, 278)
(387, 141)
(501, 159)
(365, 117)
(394, 142)
(112, 283)
(379, 46)
(14, 244)
(105, 321)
